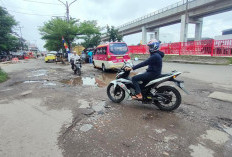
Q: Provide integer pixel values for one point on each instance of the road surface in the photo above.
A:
(45, 110)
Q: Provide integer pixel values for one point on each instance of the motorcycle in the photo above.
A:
(76, 67)
(166, 98)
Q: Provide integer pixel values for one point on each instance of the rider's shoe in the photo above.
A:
(138, 97)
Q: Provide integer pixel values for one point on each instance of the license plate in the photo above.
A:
(119, 57)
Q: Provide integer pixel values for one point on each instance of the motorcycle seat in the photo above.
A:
(164, 75)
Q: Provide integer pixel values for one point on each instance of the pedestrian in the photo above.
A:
(90, 54)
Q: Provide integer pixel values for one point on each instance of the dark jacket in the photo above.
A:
(154, 63)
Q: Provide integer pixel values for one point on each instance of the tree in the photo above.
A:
(8, 42)
(91, 34)
(113, 34)
(53, 30)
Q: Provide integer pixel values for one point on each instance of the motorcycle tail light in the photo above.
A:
(174, 76)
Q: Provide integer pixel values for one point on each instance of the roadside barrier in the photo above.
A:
(202, 47)
(15, 60)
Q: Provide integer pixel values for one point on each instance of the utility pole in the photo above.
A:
(186, 21)
(67, 7)
(67, 15)
(21, 38)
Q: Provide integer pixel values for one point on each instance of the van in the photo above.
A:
(110, 55)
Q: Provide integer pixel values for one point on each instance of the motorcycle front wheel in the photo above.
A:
(170, 100)
(116, 94)
(79, 71)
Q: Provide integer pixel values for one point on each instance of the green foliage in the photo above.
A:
(91, 34)
(113, 34)
(230, 60)
(53, 30)
(8, 42)
(3, 76)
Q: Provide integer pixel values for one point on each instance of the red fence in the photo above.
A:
(202, 47)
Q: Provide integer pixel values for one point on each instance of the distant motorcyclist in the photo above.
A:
(154, 63)
(74, 59)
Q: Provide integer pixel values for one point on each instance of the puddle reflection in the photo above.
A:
(100, 81)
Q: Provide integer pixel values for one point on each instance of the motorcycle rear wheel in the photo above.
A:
(116, 95)
(169, 104)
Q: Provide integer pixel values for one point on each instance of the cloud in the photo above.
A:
(111, 12)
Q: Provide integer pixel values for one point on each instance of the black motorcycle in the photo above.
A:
(76, 66)
(166, 98)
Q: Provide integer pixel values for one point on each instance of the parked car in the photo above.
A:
(111, 55)
(50, 56)
(4, 56)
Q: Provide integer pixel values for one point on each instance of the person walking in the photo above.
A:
(90, 54)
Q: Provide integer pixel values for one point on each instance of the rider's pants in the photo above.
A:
(145, 77)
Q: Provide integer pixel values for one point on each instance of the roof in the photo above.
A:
(108, 44)
(225, 30)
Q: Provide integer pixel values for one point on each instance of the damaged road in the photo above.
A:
(45, 110)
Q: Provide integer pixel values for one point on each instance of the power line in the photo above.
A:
(13, 9)
(42, 2)
(32, 14)
(20, 9)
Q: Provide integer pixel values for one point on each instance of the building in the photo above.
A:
(226, 34)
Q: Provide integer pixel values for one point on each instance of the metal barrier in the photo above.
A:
(202, 47)
(141, 49)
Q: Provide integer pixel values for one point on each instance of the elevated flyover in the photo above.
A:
(184, 12)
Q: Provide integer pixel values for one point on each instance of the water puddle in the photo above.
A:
(100, 81)
(34, 81)
(38, 73)
(44, 82)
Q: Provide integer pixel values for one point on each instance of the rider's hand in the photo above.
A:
(128, 68)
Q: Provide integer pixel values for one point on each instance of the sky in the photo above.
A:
(31, 14)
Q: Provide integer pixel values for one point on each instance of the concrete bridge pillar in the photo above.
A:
(144, 35)
(156, 31)
(184, 28)
(198, 29)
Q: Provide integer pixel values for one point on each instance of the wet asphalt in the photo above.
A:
(45, 110)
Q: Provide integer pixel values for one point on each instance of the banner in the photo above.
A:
(65, 45)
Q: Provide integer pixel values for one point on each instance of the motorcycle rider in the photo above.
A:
(74, 59)
(154, 63)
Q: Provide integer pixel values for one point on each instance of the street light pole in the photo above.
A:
(67, 7)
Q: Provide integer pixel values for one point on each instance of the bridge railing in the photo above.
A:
(172, 6)
(202, 47)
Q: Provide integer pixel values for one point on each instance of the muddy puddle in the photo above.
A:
(44, 82)
(100, 81)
